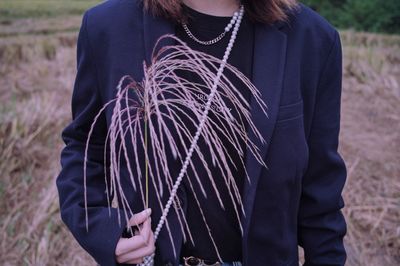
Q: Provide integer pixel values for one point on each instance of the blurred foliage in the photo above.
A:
(362, 15)
(13, 9)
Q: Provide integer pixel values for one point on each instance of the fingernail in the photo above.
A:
(148, 211)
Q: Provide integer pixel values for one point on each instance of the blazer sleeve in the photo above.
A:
(322, 226)
(104, 229)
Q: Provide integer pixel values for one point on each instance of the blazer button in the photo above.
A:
(168, 263)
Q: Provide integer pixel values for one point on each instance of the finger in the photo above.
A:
(139, 253)
(140, 217)
(137, 261)
(126, 245)
(146, 230)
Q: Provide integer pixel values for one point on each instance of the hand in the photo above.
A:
(133, 250)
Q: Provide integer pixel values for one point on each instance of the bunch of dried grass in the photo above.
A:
(165, 102)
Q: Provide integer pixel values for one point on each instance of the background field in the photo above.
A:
(37, 70)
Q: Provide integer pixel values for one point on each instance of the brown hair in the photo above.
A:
(263, 11)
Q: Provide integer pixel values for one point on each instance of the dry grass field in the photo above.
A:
(37, 69)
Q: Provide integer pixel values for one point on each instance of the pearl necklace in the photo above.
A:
(149, 260)
(216, 39)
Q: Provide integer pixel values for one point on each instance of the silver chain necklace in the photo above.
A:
(216, 39)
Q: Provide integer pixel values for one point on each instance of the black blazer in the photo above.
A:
(296, 201)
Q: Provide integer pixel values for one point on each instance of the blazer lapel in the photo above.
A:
(154, 28)
(268, 70)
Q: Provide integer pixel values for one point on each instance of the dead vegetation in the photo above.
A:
(37, 73)
(370, 143)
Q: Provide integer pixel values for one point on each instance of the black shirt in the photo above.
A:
(222, 222)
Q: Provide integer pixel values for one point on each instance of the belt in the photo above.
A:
(193, 261)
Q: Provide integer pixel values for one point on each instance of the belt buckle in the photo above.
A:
(193, 261)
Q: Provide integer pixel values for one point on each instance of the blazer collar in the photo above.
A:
(268, 71)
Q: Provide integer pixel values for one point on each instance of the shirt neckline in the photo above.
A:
(203, 21)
